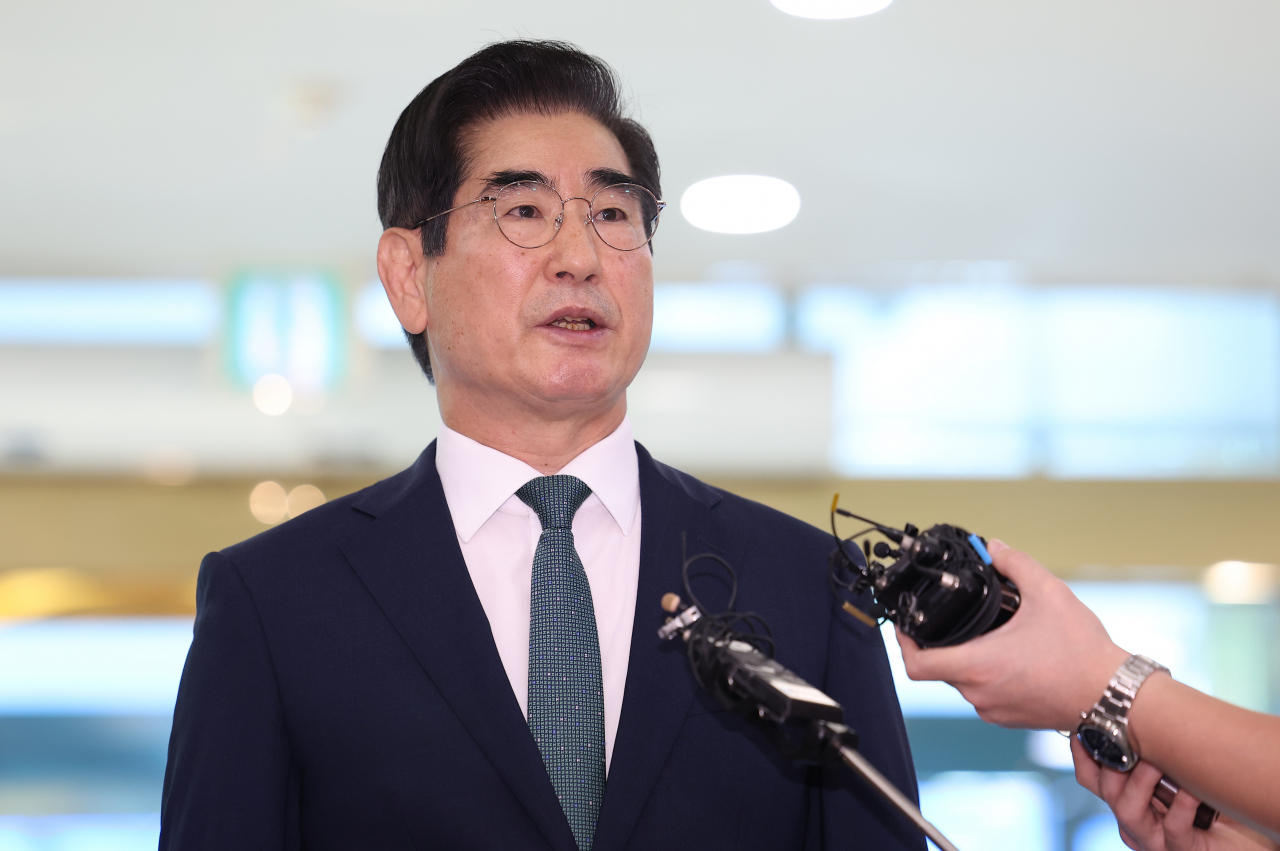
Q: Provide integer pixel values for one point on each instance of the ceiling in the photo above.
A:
(1091, 141)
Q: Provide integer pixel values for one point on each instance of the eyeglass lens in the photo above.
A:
(624, 215)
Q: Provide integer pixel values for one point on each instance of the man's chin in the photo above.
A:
(579, 390)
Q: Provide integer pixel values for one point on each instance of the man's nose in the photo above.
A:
(577, 244)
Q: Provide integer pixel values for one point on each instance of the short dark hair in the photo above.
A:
(425, 158)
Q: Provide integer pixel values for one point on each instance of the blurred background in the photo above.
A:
(1023, 276)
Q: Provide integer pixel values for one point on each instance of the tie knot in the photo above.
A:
(555, 499)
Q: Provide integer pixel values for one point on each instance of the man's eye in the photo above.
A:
(525, 211)
(611, 214)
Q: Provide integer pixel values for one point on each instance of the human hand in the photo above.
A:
(1049, 663)
(1146, 824)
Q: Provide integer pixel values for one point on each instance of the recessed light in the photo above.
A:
(740, 203)
(828, 10)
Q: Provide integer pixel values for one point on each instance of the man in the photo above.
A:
(464, 655)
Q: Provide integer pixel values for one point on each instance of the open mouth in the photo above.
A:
(572, 323)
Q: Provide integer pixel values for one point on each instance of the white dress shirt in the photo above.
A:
(498, 534)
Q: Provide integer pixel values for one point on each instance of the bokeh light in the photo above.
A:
(37, 592)
(304, 498)
(273, 394)
(1241, 582)
(269, 503)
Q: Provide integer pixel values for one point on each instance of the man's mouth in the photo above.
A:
(573, 323)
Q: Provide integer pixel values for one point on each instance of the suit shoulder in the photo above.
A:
(757, 515)
(743, 512)
(319, 524)
(316, 532)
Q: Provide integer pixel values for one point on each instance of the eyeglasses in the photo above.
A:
(529, 214)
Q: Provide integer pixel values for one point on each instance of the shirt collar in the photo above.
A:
(478, 479)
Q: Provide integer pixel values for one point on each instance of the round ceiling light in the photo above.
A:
(828, 10)
(740, 203)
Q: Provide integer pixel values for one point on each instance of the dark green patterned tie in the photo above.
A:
(566, 695)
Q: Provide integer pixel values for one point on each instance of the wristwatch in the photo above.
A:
(1104, 730)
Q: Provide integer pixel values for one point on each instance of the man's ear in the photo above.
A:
(402, 269)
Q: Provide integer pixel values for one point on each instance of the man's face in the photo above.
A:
(561, 329)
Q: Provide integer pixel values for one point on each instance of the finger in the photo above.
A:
(935, 663)
(995, 545)
(1087, 770)
(1178, 821)
(1133, 805)
(1110, 785)
(910, 650)
(1139, 825)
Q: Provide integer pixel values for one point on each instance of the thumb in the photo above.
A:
(1015, 564)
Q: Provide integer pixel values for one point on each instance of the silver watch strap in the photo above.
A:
(1123, 688)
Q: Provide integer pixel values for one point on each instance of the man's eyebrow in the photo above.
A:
(599, 178)
(499, 179)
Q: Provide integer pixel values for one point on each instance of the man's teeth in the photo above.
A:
(572, 324)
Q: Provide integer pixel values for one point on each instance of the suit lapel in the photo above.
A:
(660, 687)
(409, 559)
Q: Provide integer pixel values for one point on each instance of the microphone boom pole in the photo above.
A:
(803, 722)
(891, 793)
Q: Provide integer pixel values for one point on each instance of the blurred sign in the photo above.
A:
(290, 325)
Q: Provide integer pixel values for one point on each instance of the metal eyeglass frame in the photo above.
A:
(662, 205)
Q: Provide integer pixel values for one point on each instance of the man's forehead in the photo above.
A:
(564, 148)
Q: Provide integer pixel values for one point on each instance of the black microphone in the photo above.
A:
(802, 721)
(743, 679)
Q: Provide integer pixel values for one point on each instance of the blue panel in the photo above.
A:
(1147, 357)
(376, 322)
(1160, 383)
(1072, 382)
(108, 313)
(1165, 451)
(92, 666)
(833, 318)
(930, 381)
(81, 832)
(718, 318)
(1168, 621)
(922, 699)
(990, 810)
(1098, 833)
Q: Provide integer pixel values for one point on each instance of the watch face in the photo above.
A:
(1104, 748)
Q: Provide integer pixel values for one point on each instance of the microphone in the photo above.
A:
(802, 721)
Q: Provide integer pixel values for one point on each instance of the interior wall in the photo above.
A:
(127, 546)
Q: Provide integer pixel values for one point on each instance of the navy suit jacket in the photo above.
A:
(343, 691)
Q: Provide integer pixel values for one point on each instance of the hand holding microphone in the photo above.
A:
(1053, 659)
